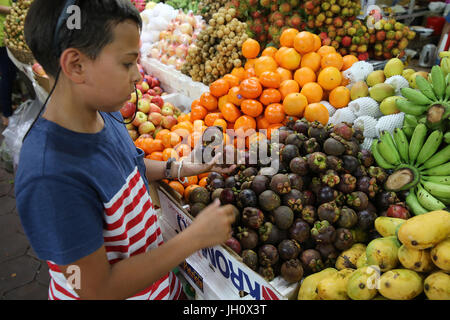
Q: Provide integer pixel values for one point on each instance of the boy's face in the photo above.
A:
(111, 77)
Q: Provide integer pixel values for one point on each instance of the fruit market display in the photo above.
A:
(206, 8)
(323, 200)
(139, 4)
(14, 26)
(411, 259)
(185, 5)
(217, 49)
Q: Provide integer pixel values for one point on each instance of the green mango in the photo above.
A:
(360, 285)
(308, 288)
(362, 261)
(386, 226)
(383, 252)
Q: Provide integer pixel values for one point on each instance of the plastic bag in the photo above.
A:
(19, 123)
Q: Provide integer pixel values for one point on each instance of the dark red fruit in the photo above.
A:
(252, 217)
(293, 200)
(317, 162)
(360, 172)
(289, 249)
(296, 139)
(366, 158)
(347, 183)
(312, 261)
(247, 198)
(311, 146)
(317, 131)
(323, 232)
(309, 214)
(347, 218)
(358, 200)
(267, 272)
(366, 219)
(292, 270)
(214, 175)
(309, 199)
(385, 199)
(280, 184)
(271, 234)
(329, 211)
(288, 153)
(333, 147)
(379, 173)
(283, 217)
(269, 200)
(398, 211)
(328, 253)
(299, 165)
(368, 185)
(248, 238)
(259, 184)
(250, 258)
(268, 255)
(299, 231)
(335, 163)
(350, 163)
(301, 126)
(330, 178)
(344, 239)
(227, 196)
(234, 244)
(344, 130)
(296, 181)
(326, 194)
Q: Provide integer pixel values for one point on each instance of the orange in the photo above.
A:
(269, 96)
(348, 60)
(287, 37)
(317, 112)
(250, 48)
(272, 128)
(294, 104)
(317, 42)
(222, 100)
(157, 156)
(304, 75)
(169, 153)
(171, 140)
(245, 123)
(177, 186)
(270, 79)
(219, 88)
(262, 123)
(203, 175)
(203, 182)
(313, 92)
(269, 51)
(230, 112)
(326, 50)
(234, 96)
(285, 74)
(311, 60)
(221, 123)
(152, 145)
(332, 60)
(161, 134)
(212, 117)
(329, 78)
(274, 113)
(239, 72)
(279, 53)
(198, 113)
(339, 97)
(345, 80)
(187, 125)
(265, 63)
(188, 190)
(288, 86)
(251, 88)
(184, 117)
(249, 64)
(209, 101)
(290, 59)
(183, 150)
(250, 73)
(304, 42)
(252, 108)
(232, 80)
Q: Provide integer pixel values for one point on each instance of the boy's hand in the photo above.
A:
(213, 225)
(191, 168)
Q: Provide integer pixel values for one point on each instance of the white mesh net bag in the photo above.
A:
(343, 115)
(365, 106)
(367, 124)
(398, 82)
(330, 108)
(389, 123)
(358, 71)
(367, 144)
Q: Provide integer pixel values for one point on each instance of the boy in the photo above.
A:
(81, 185)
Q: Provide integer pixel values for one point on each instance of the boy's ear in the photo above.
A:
(71, 62)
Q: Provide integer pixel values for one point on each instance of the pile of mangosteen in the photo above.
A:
(324, 197)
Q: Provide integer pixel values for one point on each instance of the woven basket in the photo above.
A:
(26, 57)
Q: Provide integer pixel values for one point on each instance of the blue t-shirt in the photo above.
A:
(63, 182)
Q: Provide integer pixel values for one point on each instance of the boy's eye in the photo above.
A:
(128, 65)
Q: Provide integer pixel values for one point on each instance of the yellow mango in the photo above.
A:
(334, 287)
(362, 284)
(383, 252)
(437, 286)
(417, 260)
(386, 226)
(309, 285)
(440, 255)
(400, 284)
(426, 230)
(349, 258)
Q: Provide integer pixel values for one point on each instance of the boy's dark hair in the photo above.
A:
(98, 18)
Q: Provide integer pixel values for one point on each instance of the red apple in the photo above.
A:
(139, 119)
(139, 87)
(151, 92)
(155, 118)
(145, 136)
(133, 96)
(144, 105)
(398, 211)
(158, 101)
(146, 127)
(158, 90)
(168, 122)
(145, 86)
(129, 125)
(176, 111)
(133, 134)
(128, 110)
(155, 83)
(167, 111)
(147, 96)
(154, 108)
(149, 79)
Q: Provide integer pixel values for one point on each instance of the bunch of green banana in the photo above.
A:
(445, 61)
(430, 103)
(421, 164)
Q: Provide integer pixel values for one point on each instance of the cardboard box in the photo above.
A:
(218, 272)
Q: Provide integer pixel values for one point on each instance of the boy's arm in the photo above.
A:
(101, 281)
(5, 10)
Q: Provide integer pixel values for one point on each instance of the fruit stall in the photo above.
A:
(342, 146)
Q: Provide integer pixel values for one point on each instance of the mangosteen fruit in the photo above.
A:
(344, 239)
(379, 173)
(234, 244)
(299, 165)
(292, 270)
(347, 218)
(323, 232)
(267, 273)
(281, 134)
(330, 178)
(269, 200)
(296, 181)
(248, 174)
(309, 214)
(293, 200)
(196, 208)
(326, 194)
(358, 200)
(350, 163)
(352, 148)
(284, 217)
(227, 196)
(333, 147)
(385, 198)
(366, 158)
(301, 126)
(329, 211)
(317, 131)
(308, 198)
(317, 162)
(213, 175)
(216, 194)
(252, 217)
(315, 185)
(280, 183)
(295, 139)
(299, 230)
(268, 255)
(328, 253)
(247, 198)
(250, 258)
(270, 234)
(366, 219)
(367, 185)
(200, 195)
(259, 184)
(344, 130)
(230, 182)
(311, 146)
(335, 163)
(247, 237)
(360, 172)
(288, 153)
(289, 249)
(347, 183)
(217, 183)
(312, 261)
